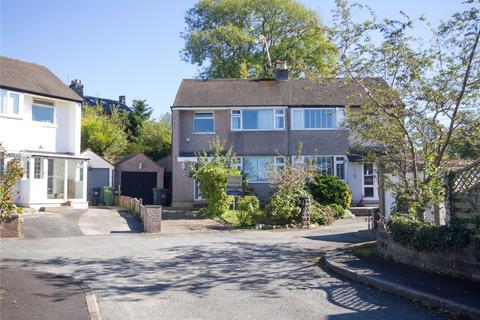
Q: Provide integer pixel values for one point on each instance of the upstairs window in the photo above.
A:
(258, 119)
(319, 118)
(43, 111)
(9, 102)
(203, 122)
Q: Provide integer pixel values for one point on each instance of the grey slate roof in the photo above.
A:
(33, 78)
(269, 92)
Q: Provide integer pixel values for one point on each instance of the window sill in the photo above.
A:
(198, 133)
(44, 124)
(254, 130)
(318, 129)
(11, 116)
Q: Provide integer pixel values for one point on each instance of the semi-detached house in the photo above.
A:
(40, 125)
(264, 121)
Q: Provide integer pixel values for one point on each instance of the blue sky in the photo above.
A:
(131, 47)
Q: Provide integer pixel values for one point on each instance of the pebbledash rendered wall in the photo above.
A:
(245, 143)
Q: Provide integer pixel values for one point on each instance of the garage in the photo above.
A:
(136, 175)
(99, 175)
(139, 185)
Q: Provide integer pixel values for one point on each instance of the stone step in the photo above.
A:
(364, 211)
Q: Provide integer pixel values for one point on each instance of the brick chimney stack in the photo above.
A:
(281, 70)
(77, 86)
(122, 99)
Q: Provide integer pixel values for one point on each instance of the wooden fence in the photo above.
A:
(151, 216)
(464, 196)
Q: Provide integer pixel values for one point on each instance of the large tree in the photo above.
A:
(432, 84)
(141, 113)
(229, 39)
(154, 138)
(104, 134)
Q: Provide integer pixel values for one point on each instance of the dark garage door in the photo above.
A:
(139, 185)
(97, 178)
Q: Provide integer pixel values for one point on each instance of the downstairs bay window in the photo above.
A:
(256, 168)
(328, 165)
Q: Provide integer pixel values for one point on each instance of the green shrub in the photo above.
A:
(248, 209)
(8, 179)
(327, 189)
(211, 171)
(338, 210)
(425, 236)
(320, 214)
(285, 208)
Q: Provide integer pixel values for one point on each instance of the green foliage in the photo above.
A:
(425, 236)
(338, 210)
(420, 109)
(284, 208)
(320, 214)
(328, 189)
(222, 39)
(211, 171)
(248, 210)
(8, 179)
(466, 139)
(103, 134)
(140, 114)
(153, 139)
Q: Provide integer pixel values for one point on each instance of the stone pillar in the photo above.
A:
(153, 219)
(306, 212)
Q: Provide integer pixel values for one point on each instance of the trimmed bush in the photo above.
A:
(327, 189)
(283, 209)
(338, 210)
(425, 236)
(319, 214)
(248, 209)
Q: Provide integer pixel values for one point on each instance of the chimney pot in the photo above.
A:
(77, 86)
(281, 70)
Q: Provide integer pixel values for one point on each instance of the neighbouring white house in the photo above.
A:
(40, 119)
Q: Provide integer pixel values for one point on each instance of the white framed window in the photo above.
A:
(2, 162)
(197, 194)
(316, 118)
(258, 119)
(43, 111)
(10, 102)
(37, 168)
(203, 122)
(369, 181)
(328, 165)
(256, 168)
(236, 119)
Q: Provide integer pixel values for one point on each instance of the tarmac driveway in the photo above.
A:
(71, 223)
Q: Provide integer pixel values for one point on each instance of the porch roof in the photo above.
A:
(65, 155)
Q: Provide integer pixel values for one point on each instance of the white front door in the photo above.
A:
(370, 185)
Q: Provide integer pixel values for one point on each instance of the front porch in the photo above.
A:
(52, 180)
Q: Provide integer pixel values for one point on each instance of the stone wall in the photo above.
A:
(10, 227)
(465, 263)
(151, 216)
